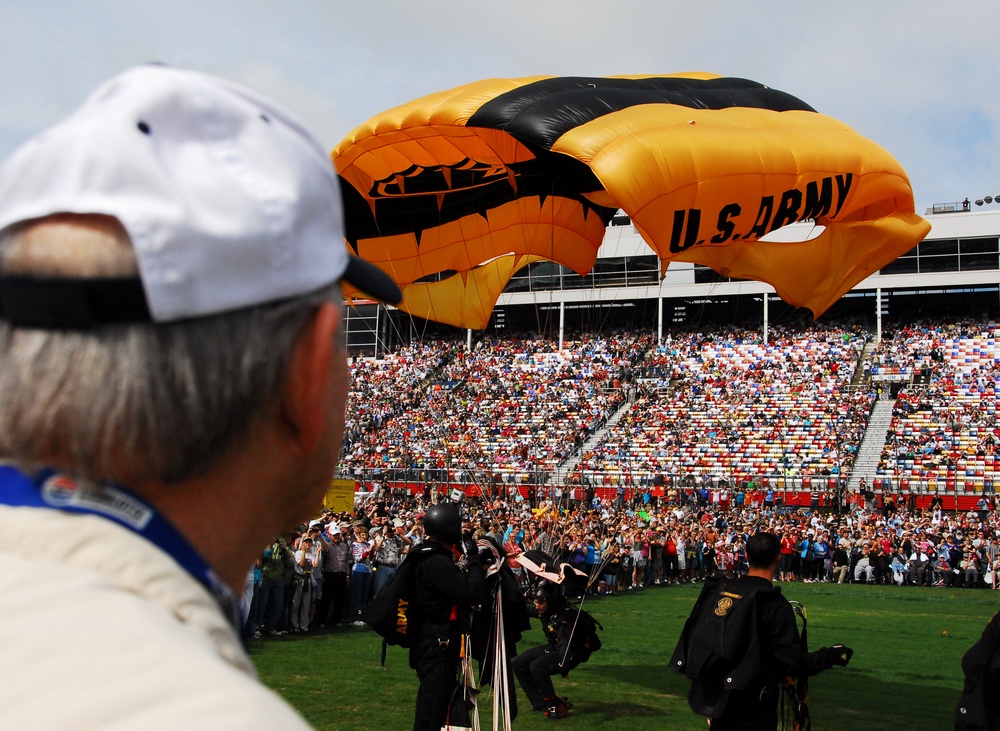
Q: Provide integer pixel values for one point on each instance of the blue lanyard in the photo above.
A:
(53, 490)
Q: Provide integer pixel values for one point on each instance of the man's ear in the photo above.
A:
(309, 382)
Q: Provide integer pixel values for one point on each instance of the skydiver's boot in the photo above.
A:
(556, 708)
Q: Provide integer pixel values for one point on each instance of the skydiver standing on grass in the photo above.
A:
(741, 642)
(445, 596)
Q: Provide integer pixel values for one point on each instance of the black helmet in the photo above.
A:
(546, 592)
(443, 521)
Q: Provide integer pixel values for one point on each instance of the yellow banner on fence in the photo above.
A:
(340, 497)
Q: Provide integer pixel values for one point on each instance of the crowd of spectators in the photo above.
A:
(701, 406)
(385, 393)
(735, 406)
(510, 411)
(323, 573)
(944, 431)
(715, 410)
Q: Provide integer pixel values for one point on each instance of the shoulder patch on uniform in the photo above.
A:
(723, 606)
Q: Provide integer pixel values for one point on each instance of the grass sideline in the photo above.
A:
(906, 672)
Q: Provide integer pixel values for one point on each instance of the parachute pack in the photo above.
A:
(391, 612)
(716, 646)
(718, 632)
(586, 640)
(718, 651)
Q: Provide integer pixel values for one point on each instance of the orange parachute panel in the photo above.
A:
(518, 170)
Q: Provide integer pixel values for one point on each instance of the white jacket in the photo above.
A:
(99, 629)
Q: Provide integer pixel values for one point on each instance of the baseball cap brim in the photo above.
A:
(372, 281)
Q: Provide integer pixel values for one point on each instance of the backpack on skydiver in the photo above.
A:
(717, 649)
(391, 612)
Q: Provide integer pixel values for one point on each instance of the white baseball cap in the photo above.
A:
(228, 200)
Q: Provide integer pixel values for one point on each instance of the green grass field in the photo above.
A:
(906, 671)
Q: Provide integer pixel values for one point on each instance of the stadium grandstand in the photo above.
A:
(626, 380)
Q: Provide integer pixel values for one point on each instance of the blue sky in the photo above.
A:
(920, 78)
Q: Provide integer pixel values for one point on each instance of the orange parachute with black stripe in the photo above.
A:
(453, 193)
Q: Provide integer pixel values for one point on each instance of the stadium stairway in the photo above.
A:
(567, 467)
(859, 371)
(870, 451)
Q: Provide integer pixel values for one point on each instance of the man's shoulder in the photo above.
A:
(102, 647)
(750, 585)
(102, 559)
(138, 624)
(429, 552)
(565, 613)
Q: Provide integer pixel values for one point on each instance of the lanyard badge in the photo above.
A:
(56, 491)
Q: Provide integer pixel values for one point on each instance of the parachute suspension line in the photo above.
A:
(422, 331)
(421, 334)
(395, 326)
(413, 330)
(480, 484)
(443, 437)
(595, 573)
(800, 610)
(604, 312)
(572, 631)
(598, 569)
(483, 482)
(562, 324)
(500, 682)
(488, 479)
(699, 317)
(489, 476)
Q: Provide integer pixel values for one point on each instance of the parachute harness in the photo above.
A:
(794, 710)
(469, 691)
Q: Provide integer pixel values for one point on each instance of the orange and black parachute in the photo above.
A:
(453, 193)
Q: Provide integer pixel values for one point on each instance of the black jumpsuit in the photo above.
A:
(754, 707)
(979, 707)
(445, 595)
(534, 668)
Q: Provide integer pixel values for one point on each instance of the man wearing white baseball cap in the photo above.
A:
(171, 353)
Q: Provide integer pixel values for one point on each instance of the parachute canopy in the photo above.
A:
(453, 193)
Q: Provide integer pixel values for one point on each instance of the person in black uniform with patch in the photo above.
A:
(741, 642)
(979, 707)
(534, 668)
(445, 595)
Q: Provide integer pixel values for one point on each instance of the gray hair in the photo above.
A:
(140, 401)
